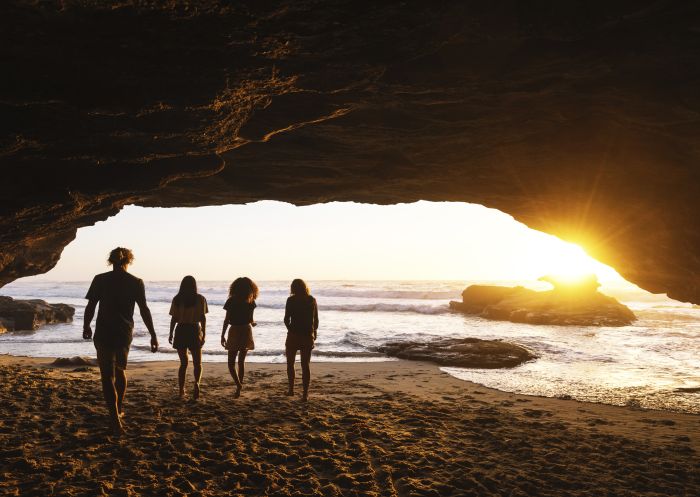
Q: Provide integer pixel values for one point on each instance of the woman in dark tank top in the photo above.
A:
(301, 320)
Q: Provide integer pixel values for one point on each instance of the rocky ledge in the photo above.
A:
(461, 352)
(578, 118)
(18, 315)
(568, 305)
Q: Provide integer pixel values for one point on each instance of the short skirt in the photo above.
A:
(299, 341)
(187, 336)
(240, 337)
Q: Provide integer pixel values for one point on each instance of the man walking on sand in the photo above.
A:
(116, 291)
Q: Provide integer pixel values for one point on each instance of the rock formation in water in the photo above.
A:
(461, 352)
(578, 118)
(17, 315)
(567, 304)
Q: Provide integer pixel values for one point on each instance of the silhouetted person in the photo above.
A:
(188, 314)
(239, 314)
(301, 320)
(116, 291)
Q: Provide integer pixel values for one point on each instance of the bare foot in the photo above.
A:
(305, 397)
(117, 427)
(238, 392)
(118, 431)
(196, 391)
(181, 394)
(289, 393)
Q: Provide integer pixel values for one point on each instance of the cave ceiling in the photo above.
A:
(578, 118)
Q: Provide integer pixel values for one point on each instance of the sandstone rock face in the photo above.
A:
(554, 307)
(461, 352)
(18, 315)
(578, 118)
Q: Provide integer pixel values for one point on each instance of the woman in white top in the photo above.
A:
(188, 314)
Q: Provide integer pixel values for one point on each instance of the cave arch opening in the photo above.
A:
(380, 273)
(334, 241)
(406, 258)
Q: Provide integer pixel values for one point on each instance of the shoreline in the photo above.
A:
(392, 367)
(328, 365)
(386, 429)
(594, 364)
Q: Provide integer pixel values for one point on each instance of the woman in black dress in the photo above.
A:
(239, 314)
(189, 324)
(301, 320)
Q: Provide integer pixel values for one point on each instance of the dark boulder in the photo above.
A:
(564, 305)
(74, 361)
(461, 352)
(16, 315)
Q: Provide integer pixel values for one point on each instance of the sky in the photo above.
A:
(336, 241)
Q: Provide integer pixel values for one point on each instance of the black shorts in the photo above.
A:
(187, 336)
(299, 341)
(110, 358)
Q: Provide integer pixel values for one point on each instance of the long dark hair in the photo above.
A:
(187, 296)
(299, 288)
(243, 289)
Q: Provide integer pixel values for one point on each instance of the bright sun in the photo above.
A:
(569, 262)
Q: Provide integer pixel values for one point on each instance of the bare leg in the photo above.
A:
(241, 364)
(232, 371)
(291, 356)
(182, 353)
(110, 394)
(305, 354)
(197, 363)
(113, 382)
(107, 375)
(120, 387)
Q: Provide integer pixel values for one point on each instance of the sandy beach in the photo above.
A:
(392, 429)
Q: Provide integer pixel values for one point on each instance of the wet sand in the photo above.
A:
(392, 429)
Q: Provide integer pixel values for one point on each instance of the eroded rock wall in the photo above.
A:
(580, 119)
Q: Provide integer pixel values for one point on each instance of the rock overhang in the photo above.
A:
(579, 119)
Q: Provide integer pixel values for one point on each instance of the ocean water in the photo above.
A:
(644, 364)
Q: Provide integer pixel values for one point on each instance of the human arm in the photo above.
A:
(173, 322)
(227, 320)
(89, 314)
(148, 321)
(173, 319)
(287, 316)
(315, 320)
(93, 297)
(146, 316)
(204, 308)
(251, 320)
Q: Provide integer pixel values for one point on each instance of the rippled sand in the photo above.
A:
(391, 429)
